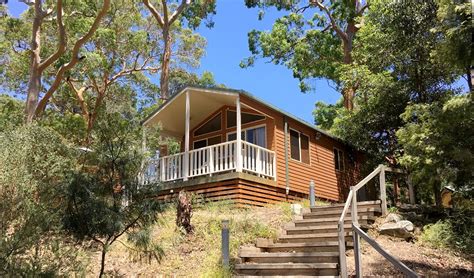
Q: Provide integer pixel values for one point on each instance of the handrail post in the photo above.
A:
(225, 243)
(355, 218)
(383, 190)
(357, 257)
(342, 249)
(211, 160)
(162, 170)
(312, 201)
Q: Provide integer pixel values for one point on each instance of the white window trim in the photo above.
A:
(245, 132)
(299, 146)
(340, 153)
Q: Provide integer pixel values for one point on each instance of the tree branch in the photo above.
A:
(74, 60)
(178, 11)
(336, 28)
(62, 43)
(154, 12)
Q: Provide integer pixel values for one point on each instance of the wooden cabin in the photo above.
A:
(280, 154)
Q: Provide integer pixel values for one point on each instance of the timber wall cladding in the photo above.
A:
(239, 191)
(330, 183)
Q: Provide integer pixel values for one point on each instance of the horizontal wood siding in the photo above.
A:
(240, 191)
(330, 183)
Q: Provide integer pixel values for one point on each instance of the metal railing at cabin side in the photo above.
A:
(352, 202)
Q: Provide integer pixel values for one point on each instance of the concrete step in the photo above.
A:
(363, 220)
(330, 213)
(325, 246)
(290, 257)
(287, 268)
(314, 237)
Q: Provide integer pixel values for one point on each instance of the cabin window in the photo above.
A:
(255, 135)
(207, 142)
(213, 125)
(200, 144)
(338, 159)
(299, 146)
(245, 118)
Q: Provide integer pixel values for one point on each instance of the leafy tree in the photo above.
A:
(170, 18)
(325, 114)
(32, 241)
(455, 22)
(313, 40)
(437, 142)
(105, 200)
(394, 66)
(58, 34)
(11, 113)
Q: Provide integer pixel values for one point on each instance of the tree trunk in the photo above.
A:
(348, 97)
(102, 260)
(184, 212)
(164, 78)
(348, 92)
(34, 82)
(469, 79)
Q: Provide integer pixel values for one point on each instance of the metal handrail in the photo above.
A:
(395, 262)
(352, 202)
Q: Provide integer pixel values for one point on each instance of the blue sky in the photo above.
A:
(227, 46)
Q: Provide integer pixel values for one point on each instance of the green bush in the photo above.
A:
(34, 162)
(455, 232)
(439, 234)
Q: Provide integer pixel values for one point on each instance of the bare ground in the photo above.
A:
(424, 260)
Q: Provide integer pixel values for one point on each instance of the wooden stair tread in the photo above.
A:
(322, 213)
(288, 254)
(302, 244)
(286, 276)
(333, 219)
(346, 233)
(376, 202)
(285, 265)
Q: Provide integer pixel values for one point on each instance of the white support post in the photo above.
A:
(186, 139)
(357, 256)
(355, 219)
(238, 136)
(383, 191)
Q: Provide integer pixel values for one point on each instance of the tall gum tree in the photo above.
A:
(63, 53)
(167, 15)
(313, 40)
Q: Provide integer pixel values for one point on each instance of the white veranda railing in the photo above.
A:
(212, 159)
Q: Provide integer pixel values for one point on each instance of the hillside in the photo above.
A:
(198, 255)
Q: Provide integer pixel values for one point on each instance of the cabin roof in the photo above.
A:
(237, 92)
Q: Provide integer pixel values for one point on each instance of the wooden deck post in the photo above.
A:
(411, 190)
(225, 243)
(383, 190)
(186, 139)
(287, 179)
(312, 199)
(238, 136)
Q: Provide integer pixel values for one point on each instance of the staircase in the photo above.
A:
(308, 246)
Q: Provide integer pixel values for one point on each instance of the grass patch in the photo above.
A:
(198, 255)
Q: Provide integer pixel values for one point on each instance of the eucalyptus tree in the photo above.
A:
(314, 39)
(58, 32)
(171, 16)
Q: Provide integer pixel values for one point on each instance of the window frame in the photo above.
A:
(207, 121)
(340, 154)
(206, 140)
(242, 112)
(244, 130)
(299, 146)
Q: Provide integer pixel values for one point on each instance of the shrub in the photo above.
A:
(439, 234)
(33, 164)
